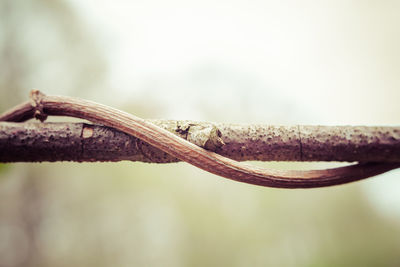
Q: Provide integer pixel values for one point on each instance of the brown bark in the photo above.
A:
(40, 106)
(33, 142)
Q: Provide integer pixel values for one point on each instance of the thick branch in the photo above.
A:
(41, 106)
(32, 142)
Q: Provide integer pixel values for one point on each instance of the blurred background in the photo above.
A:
(273, 62)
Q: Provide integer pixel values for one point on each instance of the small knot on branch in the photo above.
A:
(36, 102)
(205, 137)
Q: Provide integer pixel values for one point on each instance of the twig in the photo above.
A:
(193, 154)
(33, 142)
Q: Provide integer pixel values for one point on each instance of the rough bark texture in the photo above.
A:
(32, 142)
(40, 106)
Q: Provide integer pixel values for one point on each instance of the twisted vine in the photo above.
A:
(42, 105)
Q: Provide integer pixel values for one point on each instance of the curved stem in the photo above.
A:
(186, 151)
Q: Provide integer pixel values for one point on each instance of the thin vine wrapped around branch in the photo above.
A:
(41, 106)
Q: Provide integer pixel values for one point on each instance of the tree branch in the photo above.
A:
(33, 142)
(40, 106)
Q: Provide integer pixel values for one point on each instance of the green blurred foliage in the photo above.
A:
(3, 167)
